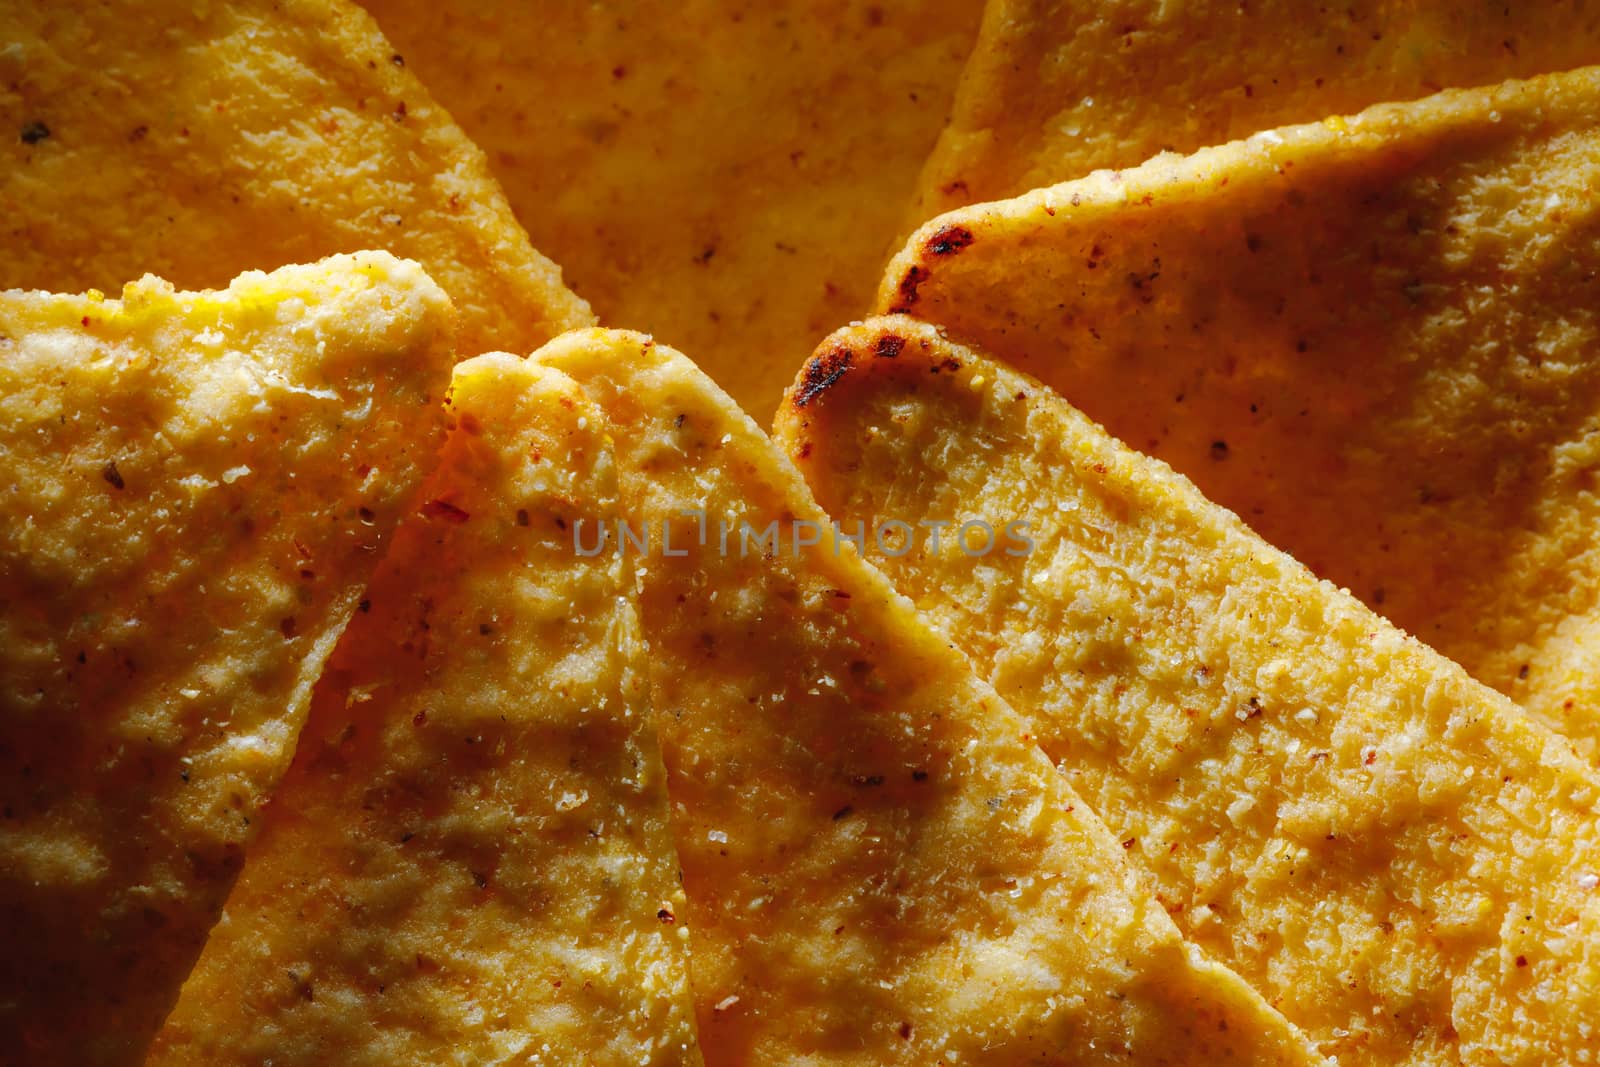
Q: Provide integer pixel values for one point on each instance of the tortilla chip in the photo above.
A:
(196, 141)
(470, 860)
(729, 177)
(1397, 858)
(1372, 338)
(197, 485)
(880, 867)
(1055, 90)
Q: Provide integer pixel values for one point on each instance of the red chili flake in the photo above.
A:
(905, 1031)
(443, 509)
(420, 718)
(287, 626)
(1130, 842)
(1371, 758)
(1522, 961)
(110, 474)
(666, 915)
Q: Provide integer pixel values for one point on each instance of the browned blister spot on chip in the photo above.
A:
(821, 372)
(948, 240)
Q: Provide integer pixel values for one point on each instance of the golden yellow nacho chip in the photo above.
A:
(195, 141)
(1054, 90)
(1393, 854)
(470, 860)
(881, 865)
(730, 177)
(196, 486)
(1372, 338)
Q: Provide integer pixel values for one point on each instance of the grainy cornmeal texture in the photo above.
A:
(195, 141)
(194, 488)
(470, 860)
(1393, 854)
(1371, 338)
(730, 176)
(1057, 88)
(882, 867)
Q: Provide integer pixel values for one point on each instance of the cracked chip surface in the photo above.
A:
(196, 488)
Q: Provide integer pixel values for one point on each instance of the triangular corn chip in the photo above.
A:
(195, 489)
(1399, 859)
(470, 860)
(1372, 338)
(1054, 90)
(195, 141)
(881, 866)
(731, 178)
